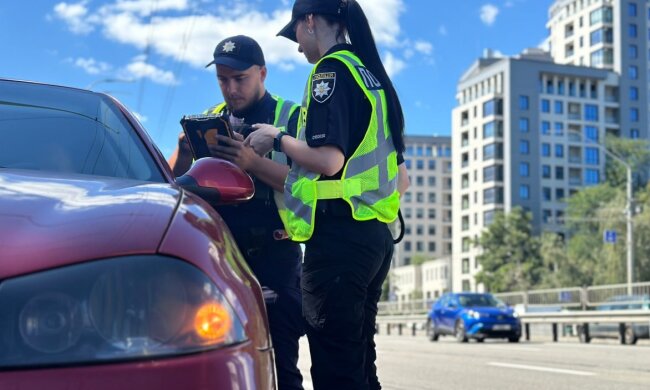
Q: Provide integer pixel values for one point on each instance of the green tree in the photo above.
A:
(554, 256)
(510, 258)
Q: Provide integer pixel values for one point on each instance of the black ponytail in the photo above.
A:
(364, 45)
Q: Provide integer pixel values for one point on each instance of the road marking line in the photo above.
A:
(513, 348)
(307, 385)
(544, 369)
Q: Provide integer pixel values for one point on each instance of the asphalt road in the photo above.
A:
(415, 363)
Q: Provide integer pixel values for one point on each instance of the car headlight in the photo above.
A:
(116, 309)
(474, 314)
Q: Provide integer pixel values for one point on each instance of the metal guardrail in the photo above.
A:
(555, 299)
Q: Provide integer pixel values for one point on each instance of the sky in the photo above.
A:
(150, 54)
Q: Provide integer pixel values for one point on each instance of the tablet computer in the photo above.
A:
(201, 131)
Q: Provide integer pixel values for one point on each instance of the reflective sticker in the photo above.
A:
(322, 86)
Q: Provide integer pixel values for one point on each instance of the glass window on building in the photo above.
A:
(408, 196)
(591, 133)
(493, 173)
(546, 105)
(634, 93)
(592, 156)
(466, 286)
(604, 56)
(432, 165)
(523, 125)
(428, 151)
(488, 218)
(546, 150)
(432, 247)
(546, 171)
(601, 15)
(523, 102)
(546, 194)
(408, 212)
(560, 85)
(419, 164)
(493, 195)
(419, 213)
(559, 107)
(596, 37)
(559, 150)
(634, 114)
(546, 127)
(410, 150)
(407, 246)
(632, 30)
(431, 180)
(420, 246)
(524, 169)
(559, 173)
(572, 88)
(466, 244)
(432, 214)
(632, 51)
(407, 162)
(493, 107)
(432, 197)
(634, 133)
(492, 151)
(419, 230)
(631, 9)
(524, 146)
(633, 72)
(559, 194)
(592, 176)
(465, 223)
(524, 191)
(549, 87)
(547, 215)
(465, 267)
(419, 197)
(591, 112)
(559, 128)
(432, 230)
(419, 180)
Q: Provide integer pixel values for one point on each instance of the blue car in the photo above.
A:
(473, 315)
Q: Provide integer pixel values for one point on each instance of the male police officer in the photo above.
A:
(256, 225)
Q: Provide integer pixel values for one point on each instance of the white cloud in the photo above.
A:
(191, 39)
(91, 66)
(139, 69)
(75, 15)
(443, 30)
(424, 47)
(393, 64)
(489, 14)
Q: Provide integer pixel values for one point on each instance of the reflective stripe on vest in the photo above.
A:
(369, 179)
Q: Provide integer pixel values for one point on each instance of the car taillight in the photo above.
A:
(117, 309)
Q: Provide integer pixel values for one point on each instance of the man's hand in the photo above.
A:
(234, 151)
(262, 138)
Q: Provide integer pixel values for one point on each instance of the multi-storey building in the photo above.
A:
(428, 281)
(524, 134)
(426, 206)
(613, 35)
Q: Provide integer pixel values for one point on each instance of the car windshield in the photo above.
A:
(479, 301)
(59, 129)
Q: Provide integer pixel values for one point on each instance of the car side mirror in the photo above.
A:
(217, 181)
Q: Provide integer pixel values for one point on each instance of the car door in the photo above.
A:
(436, 311)
(449, 313)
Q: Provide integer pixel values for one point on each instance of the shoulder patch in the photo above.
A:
(322, 86)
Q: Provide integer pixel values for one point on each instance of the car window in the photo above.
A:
(57, 138)
(479, 300)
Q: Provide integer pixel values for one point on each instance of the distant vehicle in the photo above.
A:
(633, 332)
(473, 315)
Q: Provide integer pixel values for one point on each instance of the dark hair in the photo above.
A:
(365, 47)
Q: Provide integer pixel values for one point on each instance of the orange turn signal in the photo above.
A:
(212, 322)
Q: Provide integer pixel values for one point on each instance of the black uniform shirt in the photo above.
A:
(275, 263)
(338, 115)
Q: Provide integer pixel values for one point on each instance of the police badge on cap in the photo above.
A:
(322, 86)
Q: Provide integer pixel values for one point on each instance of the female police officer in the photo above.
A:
(342, 188)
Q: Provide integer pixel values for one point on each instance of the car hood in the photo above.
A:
(49, 220)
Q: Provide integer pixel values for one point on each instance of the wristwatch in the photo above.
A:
(277, 144)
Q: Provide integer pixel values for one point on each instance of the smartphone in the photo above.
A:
(201, 131)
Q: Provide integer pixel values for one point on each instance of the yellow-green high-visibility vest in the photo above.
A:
(369, 179)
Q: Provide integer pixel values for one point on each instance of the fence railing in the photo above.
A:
(571, 298)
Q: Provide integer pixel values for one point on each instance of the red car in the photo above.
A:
(114, 275)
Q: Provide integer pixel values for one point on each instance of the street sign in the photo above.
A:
(609, 236)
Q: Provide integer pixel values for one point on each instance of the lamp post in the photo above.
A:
(629, 210)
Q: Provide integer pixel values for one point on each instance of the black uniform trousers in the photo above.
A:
(346, 262)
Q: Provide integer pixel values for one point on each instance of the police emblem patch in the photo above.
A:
(322, 86)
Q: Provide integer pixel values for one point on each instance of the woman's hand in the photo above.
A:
(261, 139)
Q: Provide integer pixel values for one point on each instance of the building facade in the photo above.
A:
(612, 35)
(426, 206)
(524, 134)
